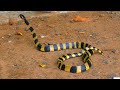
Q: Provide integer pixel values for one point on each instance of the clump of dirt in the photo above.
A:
(19, 57)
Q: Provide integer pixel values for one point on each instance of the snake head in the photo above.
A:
(24, 18)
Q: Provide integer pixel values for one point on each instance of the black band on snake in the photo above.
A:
(87, 51)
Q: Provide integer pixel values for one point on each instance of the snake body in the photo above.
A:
(87, 51)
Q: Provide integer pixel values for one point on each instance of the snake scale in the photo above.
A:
(87, 51)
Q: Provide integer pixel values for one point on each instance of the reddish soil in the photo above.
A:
(19, 58)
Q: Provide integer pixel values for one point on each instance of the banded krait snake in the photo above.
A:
(87, 51)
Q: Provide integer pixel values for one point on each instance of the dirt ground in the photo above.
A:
(19, 58)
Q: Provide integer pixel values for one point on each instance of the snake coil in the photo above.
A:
(87, 51)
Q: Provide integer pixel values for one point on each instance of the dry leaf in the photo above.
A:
(42, 65)
(82, 32)
(81, 19)
(19, 33)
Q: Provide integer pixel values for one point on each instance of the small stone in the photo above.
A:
(9, 41)
(9, 35)
(105, 61)
(43, 36)
(115, 51)
(82, 32)
(15, 65)
(90, 35)
(2, 37)
(93, 35)
(108, 56)
(99, 72)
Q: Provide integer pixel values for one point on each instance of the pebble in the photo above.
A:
(43, 36)
(115, 51)
(9, 35)
(105, 61)
(2, 37)
(93, 34)
(99, 72)
(82, 32)
(90, 35)
(16, 66)
(9, 41)
(108, 56)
